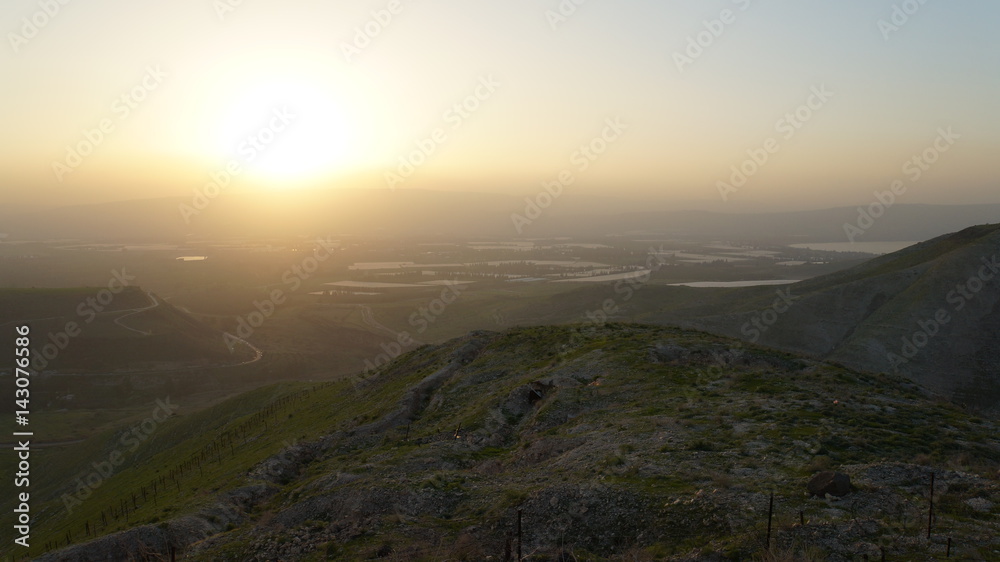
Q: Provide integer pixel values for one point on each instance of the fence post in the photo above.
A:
(930, 512)
(518, 534)
(770, 514)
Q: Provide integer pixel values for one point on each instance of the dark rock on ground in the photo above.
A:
(833, 483)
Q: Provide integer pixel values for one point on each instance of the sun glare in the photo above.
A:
(286, 128)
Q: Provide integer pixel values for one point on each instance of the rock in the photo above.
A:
(833, 483)
(559, 382)
(982, 505)
(522, 399)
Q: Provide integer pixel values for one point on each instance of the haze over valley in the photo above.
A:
(500, 281)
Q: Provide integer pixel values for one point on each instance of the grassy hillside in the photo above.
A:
(97, 330)
(614, 441)
(26, 304)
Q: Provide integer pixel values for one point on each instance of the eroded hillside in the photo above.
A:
(611, 440)
(930, 312)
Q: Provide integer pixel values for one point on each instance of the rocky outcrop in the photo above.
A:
(634, 439)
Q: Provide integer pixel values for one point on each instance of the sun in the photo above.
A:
(288, 126)
(288, 130)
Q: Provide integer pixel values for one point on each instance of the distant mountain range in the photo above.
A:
(441, 214)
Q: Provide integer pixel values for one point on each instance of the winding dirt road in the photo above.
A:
(134, 311)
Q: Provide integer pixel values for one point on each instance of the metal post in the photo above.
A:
(770, 514)
(519, 535)
(930, 512)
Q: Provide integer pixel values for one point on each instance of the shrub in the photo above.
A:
(819, 463)
(701, 445)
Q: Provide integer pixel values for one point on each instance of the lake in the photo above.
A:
(735, 283)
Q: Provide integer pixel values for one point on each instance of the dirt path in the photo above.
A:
(135, 311)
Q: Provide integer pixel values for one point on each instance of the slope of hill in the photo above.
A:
(611, 442)
(930, 312)
(99, 330)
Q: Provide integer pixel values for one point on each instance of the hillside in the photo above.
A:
(96, 330)
(615, 442)
(930, 312)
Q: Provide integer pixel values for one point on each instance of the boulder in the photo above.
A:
(833, 483)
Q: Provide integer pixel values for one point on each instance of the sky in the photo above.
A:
(731, 104)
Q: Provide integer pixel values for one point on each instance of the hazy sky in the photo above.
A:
(330, 108)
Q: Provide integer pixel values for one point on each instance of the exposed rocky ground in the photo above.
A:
(614, 442)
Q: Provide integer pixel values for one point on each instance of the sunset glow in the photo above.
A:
(699, 85)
